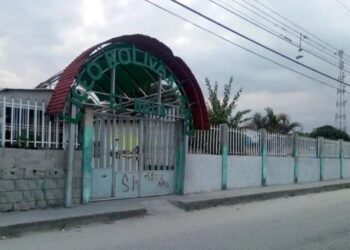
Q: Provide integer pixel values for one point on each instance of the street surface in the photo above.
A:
(315, 221)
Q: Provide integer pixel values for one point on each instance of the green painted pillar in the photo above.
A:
(224, 153)
(87, 137)
(263, 135)
(320, 147)
(296, 157)
(181, 145)
(341, 157)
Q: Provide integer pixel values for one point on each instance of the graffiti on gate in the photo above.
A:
(131, 184)
(159, 179)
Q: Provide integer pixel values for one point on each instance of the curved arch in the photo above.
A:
(182, 72)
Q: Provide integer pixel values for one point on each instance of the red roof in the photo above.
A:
(155, 47)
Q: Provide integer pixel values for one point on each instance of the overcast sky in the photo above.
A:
(39, 38)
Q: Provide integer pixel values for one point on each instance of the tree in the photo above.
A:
(276, 123)
(220, 111)
(330, 132)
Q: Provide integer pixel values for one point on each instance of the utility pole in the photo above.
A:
(340, 117)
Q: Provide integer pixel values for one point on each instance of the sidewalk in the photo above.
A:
(16, 223)
(230, 197)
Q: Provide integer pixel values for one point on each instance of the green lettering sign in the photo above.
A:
(124, 56)
(110, 59)
(94, 70)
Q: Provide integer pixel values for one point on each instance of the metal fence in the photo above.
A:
(205, 141)
(331, 149)
(243, 142)
(246, 142)
(307, 147)
(279, 145)
(24, 124)
(346, 149)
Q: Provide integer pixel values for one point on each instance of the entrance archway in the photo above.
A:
(141, 99)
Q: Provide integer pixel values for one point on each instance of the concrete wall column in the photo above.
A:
(181, 145)
(87, 136)
(70, 160)
(224, 153)
(263, 152)
(296, 157)
(320, 154)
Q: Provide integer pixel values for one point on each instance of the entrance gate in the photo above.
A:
(133, 157)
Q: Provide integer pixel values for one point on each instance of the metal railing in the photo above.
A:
(279, 145)
(346, 149)
(246, 142)
(243, 142)
(307, 147)
(331, 149)
(205, 141)
(24, 124)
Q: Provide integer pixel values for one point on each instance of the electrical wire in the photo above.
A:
(343, 5)
(297, 35)
(242, 47)
(287, 28)
(299, 27)
(233, 11)
(294, 30)
(255, 42)
(328, 49)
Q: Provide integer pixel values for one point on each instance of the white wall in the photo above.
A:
(40, 95)
(331, 169)
(309, 170)
(202, 173)
(243, 171)
(346, 168)
(279, 170)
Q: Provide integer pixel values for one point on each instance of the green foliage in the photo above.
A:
(220, 111)
(275, 123)
(330, 132)
(22, 141)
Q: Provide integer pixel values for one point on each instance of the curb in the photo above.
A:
(223, 201)
(37, 226)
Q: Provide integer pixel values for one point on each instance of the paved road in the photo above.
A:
(316, 221)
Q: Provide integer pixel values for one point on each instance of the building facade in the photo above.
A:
(111, 125)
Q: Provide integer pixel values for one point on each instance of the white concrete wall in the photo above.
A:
(309, 170)
(346, 168)
(331, 169)
(279, 170)
(243, 171)
(40, 95)
(202, 173)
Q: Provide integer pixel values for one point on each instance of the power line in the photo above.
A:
(296, 35)
(294, 30)
(344, 6)
(340, 117)
(271, 31)
(240, 46)
(255, 42)
(287, 28)
(298, 26)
